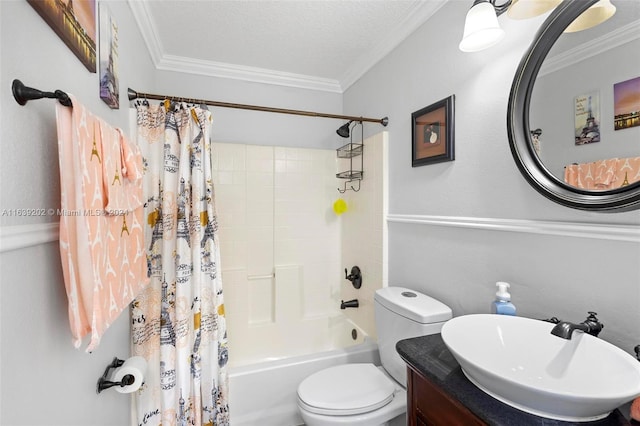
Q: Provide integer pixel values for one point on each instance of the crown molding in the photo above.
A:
(628, 233)
(22, 236)
(245, 73)
(166, 62)
(422, 11)
(147, 29)
(594, 47)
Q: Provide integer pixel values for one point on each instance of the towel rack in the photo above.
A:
(22, 94)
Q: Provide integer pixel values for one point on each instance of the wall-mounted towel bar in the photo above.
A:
(23, 94)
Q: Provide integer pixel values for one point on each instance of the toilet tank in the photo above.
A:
(402, 313)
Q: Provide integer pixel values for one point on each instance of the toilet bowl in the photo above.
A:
(365, 394)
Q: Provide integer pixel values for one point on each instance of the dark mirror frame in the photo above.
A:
(620, 199)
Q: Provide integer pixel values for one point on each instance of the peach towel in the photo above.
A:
(101, 236)
(628, 171)
(603, 174)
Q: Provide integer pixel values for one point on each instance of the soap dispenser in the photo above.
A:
(502, 305)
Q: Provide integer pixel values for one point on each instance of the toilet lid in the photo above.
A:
(345, 390)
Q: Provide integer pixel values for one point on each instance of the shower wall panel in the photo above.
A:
(280, 247)
(364, 232)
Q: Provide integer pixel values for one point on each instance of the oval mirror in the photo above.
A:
(573, 138)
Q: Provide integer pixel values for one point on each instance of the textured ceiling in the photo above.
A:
(317, 44)
(329, 41)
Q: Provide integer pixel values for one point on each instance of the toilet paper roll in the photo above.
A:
(137, 367)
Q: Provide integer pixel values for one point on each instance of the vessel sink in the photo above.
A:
(519, 362)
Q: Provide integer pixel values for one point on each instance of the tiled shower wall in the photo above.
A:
(280, 247)
(284, 250)
(364, 232)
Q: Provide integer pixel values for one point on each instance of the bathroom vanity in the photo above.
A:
(438, 393)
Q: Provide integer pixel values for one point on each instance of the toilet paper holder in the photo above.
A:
(103, 383)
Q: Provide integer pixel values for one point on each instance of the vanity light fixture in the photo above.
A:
(595, 15)
(525, 9)
(482, 30)
(481, 27)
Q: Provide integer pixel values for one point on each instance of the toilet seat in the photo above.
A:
(347, 389)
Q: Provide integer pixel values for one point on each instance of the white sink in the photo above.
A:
(519, 362)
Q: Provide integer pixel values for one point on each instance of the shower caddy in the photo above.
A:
(352, 150)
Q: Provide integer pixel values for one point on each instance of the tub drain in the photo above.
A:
(354, 334)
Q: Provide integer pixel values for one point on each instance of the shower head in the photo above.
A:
(343, 131)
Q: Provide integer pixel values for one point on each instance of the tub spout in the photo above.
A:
(349, 304)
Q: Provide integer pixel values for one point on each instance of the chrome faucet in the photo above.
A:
(591, 325)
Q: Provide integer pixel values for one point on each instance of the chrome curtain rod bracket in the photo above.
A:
(22, 94)
(133, 95)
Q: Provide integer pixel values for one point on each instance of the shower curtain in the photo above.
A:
(178, 323)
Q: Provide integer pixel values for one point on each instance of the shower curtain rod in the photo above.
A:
(133, 95)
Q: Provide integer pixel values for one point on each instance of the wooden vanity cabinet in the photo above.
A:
(428, 405)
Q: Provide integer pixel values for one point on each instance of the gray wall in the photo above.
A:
(550, 275)
(43, 379)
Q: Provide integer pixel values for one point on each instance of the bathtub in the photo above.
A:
(264, 393)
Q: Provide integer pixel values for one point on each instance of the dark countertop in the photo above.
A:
(429, 356)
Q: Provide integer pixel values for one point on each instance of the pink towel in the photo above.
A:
(571, 175)
(101, 235)
(628, 171)
(605, 173)
(580, 175)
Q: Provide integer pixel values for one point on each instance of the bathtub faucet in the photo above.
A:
(591, 325)
(349, 304)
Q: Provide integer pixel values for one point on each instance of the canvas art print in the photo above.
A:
(626, 100)
(109, 89)
(587, 118)
(74, 21)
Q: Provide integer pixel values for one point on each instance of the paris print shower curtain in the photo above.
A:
(178, 323)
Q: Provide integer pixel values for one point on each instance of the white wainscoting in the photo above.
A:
(629, 233)
(20, 236)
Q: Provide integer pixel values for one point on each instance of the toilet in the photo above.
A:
(364, 394)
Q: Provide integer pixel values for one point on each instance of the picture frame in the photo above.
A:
(74, 23)
(586, 108)
(109, 86)
(433, 133)
(626, 104)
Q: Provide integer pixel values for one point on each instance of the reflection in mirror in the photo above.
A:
(558, 128)
(585, 104)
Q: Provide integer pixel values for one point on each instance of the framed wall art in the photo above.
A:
(587, 118)
(109, 87)
(432, 133)
(626, 99)
(75, 23)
